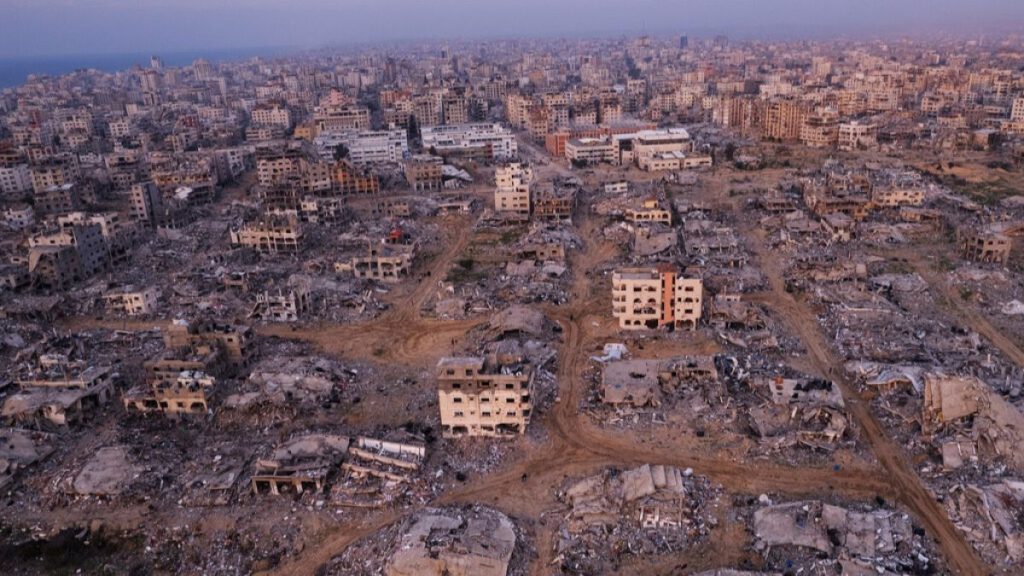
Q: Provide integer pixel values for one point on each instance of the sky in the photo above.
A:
(67, 27)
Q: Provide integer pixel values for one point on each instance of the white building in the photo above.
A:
(15, 179)
(856, 135)
(513, 189)
(377, 146)
(490, 141)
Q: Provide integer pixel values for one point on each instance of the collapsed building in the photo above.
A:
(645, 511)
(859, 542)
(374, 470)
(477, 542)
(299, 465)
(52, 395)
(642, 383)
(807, 411)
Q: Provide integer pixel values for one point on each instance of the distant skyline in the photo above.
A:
(66, 27)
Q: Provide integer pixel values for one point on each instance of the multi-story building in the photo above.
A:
(482, 397)
(147, 203)
(87, 241)
(132, 302)
(783, 119)
(336, 119)
(377, 147)
(820, 129)
(350, 181)
(1017, 110)
(654, 297)
(856, 135)
(272, 235)
(58, 199)
(272, 115)
(590, 150)
(53, 174)
(15, 178)
(485, 141)
(985, 246)
(512, 194)
(425, 172)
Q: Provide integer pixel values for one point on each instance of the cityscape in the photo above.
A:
(635, 303)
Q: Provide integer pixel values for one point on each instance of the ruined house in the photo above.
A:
(299, 465)
(375, 468)
(283, 306)
(475, 542)
(985, 246)
(53, 395)
(188, 393)
(859, 540)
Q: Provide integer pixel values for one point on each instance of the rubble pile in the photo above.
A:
(646, 511)
(439, 541)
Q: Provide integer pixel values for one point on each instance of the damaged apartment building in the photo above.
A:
(181, 379)
(489, 396)
(655, 297)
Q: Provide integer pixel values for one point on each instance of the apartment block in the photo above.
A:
(654, 297)
(482, 397)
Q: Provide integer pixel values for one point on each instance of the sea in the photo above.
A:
(15, 70)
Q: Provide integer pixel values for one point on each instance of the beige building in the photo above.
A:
(271, 235)
(654, 297)
(896, 196)
(131, 302)
(272, 115)
(650, 211)
(513, 189)
(424, 173)
(590, 150)
(479, 397)
(856, 135)
(384, 262)
(985, 246)
(187, 393)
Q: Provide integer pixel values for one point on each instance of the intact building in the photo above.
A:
(484, 141)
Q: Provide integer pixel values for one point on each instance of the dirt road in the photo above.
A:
(900, 474)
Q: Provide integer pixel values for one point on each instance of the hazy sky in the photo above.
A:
(34, 27)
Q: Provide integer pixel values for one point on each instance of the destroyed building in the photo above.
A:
(642, 383)
(53, 395)
(299, 465)
(645, 511)
(859, 541)
(375, 469)
(188, 393)
(470, 542)
(985, 246)
(275, 235)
